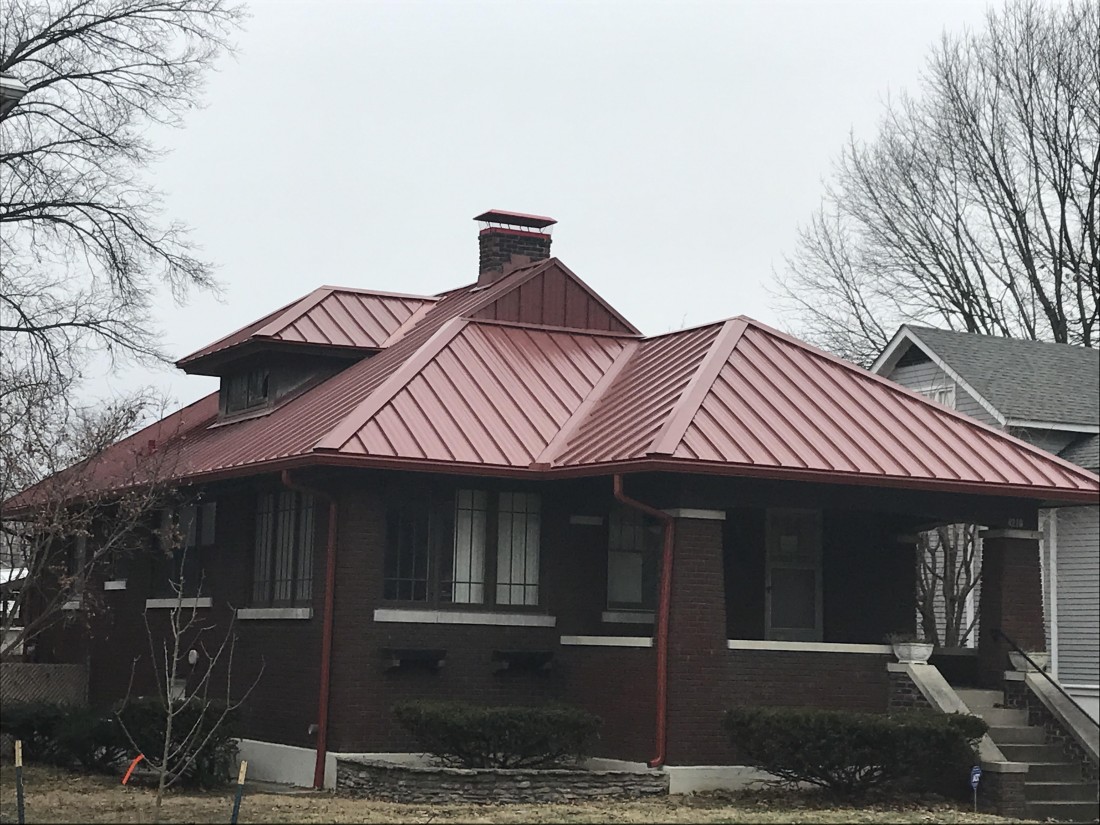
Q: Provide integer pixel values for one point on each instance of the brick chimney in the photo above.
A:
(509, 239)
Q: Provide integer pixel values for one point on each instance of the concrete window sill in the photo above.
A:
(413, 616)
(168, 604)
(281, 613)
(607, 641)
(627, 617)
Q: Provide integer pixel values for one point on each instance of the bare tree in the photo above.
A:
(84, 249)
(976, 205)
(948, 571)
(98, 502)
(189, 716)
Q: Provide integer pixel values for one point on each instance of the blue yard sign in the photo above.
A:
(975, 778)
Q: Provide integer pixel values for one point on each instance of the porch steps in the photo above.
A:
(1055, 788)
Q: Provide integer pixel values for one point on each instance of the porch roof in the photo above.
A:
(453, 392)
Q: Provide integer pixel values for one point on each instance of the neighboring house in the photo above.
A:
(1048, 395)
(442, 496)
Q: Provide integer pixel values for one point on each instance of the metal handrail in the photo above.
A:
(997, 632)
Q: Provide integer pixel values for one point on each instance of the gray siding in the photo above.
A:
(920, 377)
(1053, 441)
(1078, 584)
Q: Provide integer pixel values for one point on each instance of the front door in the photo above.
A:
(792, 599)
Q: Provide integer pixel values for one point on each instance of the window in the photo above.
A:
(187, 535)
(942, 394)
(632, 553)
(245, 390)
(792, 595)
(478, 548)
(282, 565)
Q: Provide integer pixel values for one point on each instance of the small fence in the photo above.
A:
(58, 684)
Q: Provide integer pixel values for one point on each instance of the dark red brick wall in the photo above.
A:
(1011, 599)
(283, 655)
(496, 247)
(717, 593)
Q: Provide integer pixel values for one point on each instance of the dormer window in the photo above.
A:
(247, 390)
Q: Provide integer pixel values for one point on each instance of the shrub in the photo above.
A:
(850, 753)
(65, 735)
(471, 736)
(145, 718)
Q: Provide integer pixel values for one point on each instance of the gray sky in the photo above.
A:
(679, 145)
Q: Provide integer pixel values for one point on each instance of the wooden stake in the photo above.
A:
(240, 792)
(19, 781)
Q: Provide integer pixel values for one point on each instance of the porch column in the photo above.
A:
(698, 683)
(1012, 598)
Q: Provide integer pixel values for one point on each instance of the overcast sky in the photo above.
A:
(678, 144)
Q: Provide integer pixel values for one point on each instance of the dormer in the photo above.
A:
(301, 343)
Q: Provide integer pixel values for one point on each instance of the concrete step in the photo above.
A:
(1064, 811)
(977, 700)
(1004, 717)
(1032, 753)
(1060, 791)
(1054, 772)
(1017, 735)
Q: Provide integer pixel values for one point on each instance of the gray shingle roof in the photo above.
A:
(1084, 452)
(1023, 380)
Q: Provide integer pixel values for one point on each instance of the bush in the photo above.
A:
(471, 736)
(144, 719)
(65, 735)
(850, 753)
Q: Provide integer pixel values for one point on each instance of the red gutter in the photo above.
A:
(663, 603)
(326, 632)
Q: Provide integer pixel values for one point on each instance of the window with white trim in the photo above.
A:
(941, 394)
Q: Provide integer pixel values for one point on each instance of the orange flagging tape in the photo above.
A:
(133, 765)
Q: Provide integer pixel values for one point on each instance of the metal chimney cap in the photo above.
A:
(515, 219)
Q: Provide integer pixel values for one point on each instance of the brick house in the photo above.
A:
(505, 493)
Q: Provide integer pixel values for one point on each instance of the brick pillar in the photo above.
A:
(1012, 598)
(698, 658)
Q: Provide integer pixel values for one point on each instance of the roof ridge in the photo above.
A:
(379, 293)
(293, 312)
(567, 430)
(897, 388)
(595, 296)
(695, 392)
(1007, 339)
(397, 380)
(259, 323)
(600, 333)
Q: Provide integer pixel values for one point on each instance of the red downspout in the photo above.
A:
(663, 603)
(326, 632)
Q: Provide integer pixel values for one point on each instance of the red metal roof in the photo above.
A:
(328, 316)
(449, 392)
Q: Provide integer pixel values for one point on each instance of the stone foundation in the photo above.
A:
(395, 782)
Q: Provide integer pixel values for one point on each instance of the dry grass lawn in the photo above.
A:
(59, 796)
